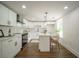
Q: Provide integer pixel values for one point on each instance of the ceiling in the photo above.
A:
(35, 9)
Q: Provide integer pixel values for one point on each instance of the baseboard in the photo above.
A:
(70, 49)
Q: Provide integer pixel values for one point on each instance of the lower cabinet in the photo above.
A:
(10, 46)
(18, 43)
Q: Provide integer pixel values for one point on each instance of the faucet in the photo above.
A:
(9, 32)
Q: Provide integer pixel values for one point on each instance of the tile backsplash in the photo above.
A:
(5, 30)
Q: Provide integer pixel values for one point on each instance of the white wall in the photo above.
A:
(71, 32)
(51, 29)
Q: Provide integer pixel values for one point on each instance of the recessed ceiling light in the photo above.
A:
(66, 7)
(23, 6)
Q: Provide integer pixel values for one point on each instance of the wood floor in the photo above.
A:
(31, 51)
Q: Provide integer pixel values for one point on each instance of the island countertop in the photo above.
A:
(42, 34)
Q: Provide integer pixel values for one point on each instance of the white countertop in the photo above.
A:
(42, 34)
(5, 38)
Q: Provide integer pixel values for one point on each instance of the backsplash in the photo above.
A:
(5, 30)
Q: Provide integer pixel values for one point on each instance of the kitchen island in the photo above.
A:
(44, 42)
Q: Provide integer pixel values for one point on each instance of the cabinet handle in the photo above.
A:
(10, 41)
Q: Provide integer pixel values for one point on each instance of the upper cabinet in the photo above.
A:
(3, 15)
(7, 16)
(12, 18)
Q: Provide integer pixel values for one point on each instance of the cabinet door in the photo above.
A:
(3, 15)
(12, 18)
(7, 48)
(18, 43)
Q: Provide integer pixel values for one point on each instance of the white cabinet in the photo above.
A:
(44, 43)
(7, 17)
(3, 15)
(7, 47)
(10, 46)
(12, 18)
(18, 43)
